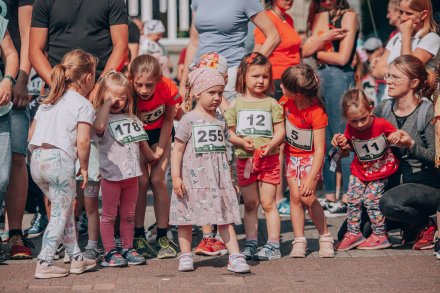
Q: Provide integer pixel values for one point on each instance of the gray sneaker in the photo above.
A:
(186, 263)
(237, 264)
(167, 248)
(249, 251)
(92, 253)
(267, 252)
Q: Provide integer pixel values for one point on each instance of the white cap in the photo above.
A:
(372, 44)
(153, 26)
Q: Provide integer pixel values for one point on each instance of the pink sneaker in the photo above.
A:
(375, 242)
(350, 241)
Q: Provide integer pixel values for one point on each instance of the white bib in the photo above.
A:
(127, 130)
(254, 123)
(299, 138)
(208, 139)
(371, 149)
(153, 115)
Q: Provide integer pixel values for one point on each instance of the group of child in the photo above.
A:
(131, 121)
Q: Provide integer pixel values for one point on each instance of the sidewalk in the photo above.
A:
(391, 270)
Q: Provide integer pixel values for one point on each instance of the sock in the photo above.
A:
(14, 232)
(92, 244)
(208, 235)
(161, 232)
(274, 244)
(139, 232)
(300, 238)
(253, 243)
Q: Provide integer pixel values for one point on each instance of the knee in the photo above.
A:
(388, 206)
(157, 180)
(127, 217)
(251, 205)
(108, 219)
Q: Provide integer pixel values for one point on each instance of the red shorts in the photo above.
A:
(299, 167)
(264, 169)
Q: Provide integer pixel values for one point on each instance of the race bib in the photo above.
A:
(153, 115)
(127, 130)
(299, 138)
(208, 139)
(254, 123)
(371, 149)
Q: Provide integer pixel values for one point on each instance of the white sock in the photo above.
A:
(92, 244)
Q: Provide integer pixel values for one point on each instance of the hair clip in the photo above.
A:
(250, 59)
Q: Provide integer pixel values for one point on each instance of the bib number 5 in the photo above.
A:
(208, 139)
(299, 138)
(372, 149)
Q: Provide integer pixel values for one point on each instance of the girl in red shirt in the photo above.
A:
(156, 99)
(374, 162)
(306, 121)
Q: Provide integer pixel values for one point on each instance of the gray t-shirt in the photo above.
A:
(223, 26)
(117, 161)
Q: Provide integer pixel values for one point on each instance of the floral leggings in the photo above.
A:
(368, 194)
(54, 172)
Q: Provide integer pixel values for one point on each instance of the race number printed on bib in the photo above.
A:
(153, 115)
(299, 138)
(127, 130)
(254, 123)
(208, 139)
(371, 149)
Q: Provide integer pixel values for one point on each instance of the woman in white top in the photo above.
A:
(418, 37)
(59, 135)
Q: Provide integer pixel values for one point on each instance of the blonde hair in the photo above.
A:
(114, 78)
(71, 71)
(354, 98)
(145, 64)
(429, 24)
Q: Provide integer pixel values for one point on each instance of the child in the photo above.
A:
(374, 162)
(61, 132)
(306, 121)
(203, 190)
(256, 126)
(156, 100)
(119, 136)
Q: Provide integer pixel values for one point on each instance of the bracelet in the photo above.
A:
(11, 79)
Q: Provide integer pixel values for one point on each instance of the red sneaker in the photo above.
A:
(218, 247)
(425, 239)
(375, 242)
(204, 247)
(350, 241)
(20, 247)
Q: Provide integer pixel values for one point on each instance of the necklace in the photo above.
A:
(278, 15)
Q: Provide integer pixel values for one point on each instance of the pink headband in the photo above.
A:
(204, 78)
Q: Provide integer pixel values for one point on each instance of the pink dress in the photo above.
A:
(210, 195)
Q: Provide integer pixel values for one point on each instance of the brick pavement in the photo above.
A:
(391, 270)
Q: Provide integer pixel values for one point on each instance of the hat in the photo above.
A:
(372, 44)
(153, 26)
(201, 79)
(215, 61)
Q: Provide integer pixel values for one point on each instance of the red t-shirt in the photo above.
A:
(300, 125)
(374, 159)
(151, 112)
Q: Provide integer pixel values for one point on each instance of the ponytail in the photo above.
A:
(59, 84)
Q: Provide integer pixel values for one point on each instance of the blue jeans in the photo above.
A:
(5, 154)
(335, 82)
(20, 120)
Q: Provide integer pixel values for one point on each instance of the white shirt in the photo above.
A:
(430, 43)
(57, 124)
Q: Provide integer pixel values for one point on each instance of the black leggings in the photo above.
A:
(403, 205)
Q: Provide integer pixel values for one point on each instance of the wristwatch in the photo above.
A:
(11, 79)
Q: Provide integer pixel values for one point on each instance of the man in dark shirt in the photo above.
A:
(19, 15)
(59, 26)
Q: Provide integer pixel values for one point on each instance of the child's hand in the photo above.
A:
(394, 137)
(266, 149)
(339, 140)
(84, 173)
(248, 144)
(307, 187)
(178, 186)
(158, 153)
(405, 140)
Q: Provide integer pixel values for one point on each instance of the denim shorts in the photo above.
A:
(20, 121)
(5, 154)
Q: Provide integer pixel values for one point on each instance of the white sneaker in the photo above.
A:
(186, 262)
(66, 258)
(237, 264)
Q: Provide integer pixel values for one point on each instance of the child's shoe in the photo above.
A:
(133, 258)
(375, 242)
(143, 248)
(350, 241)
(166, 249)
(218, 246)
(204, 247)
(326, 246)
(92, 253)
(66, 258)
(436, 245)
(113, 259)
(268, 252)
(237, 264)
(299, 247)
(186, 262)
(60, 252)
(249, 251)
(48, 272)
(81, 266)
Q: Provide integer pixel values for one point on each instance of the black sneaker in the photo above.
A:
(336, 210)
(3, 256)
(436, 245)
(60, 252)
(83, 224)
